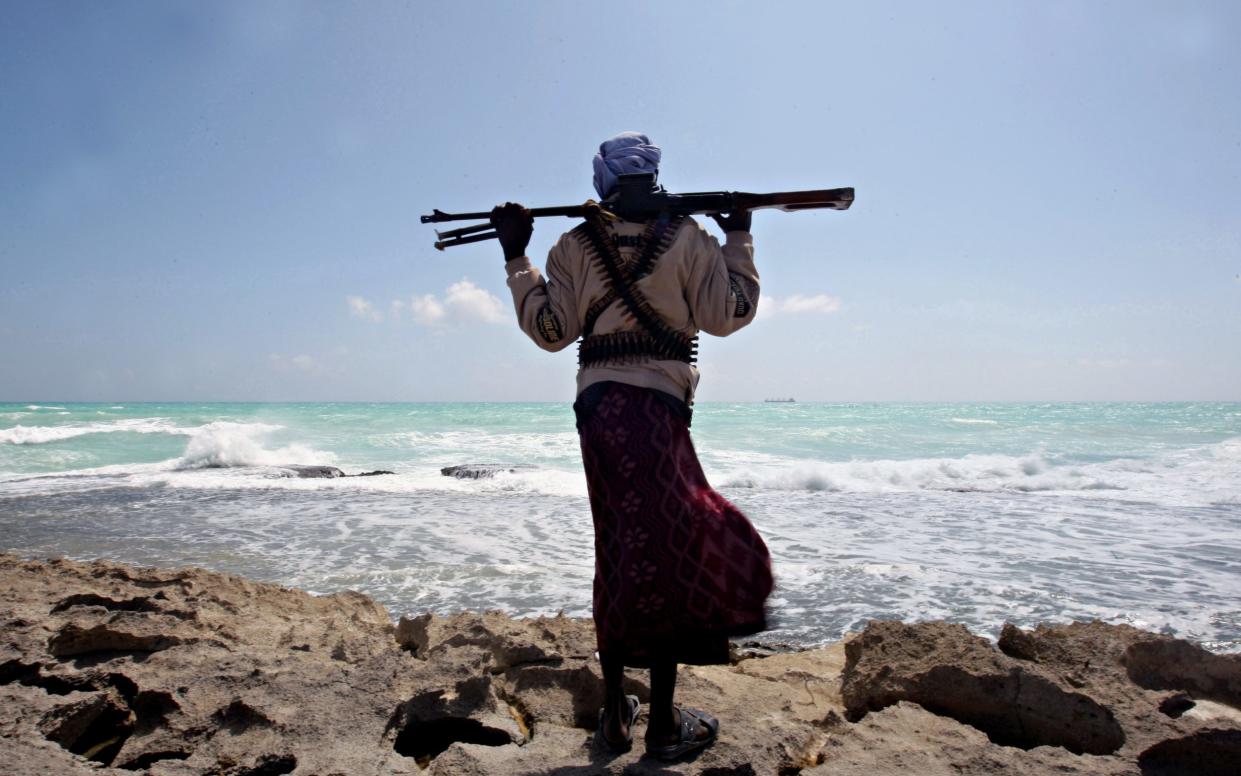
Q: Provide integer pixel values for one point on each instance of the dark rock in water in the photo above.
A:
(480, 471)
(327, 472)
(314, 472)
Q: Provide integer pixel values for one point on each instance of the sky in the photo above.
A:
(219, 201)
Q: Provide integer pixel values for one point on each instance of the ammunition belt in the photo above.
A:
(658, 237)
(633, 347)
(655, 340)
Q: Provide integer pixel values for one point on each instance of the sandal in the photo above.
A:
(635, 708)
(690, 720)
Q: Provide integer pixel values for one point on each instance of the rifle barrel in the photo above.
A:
(439, 216)
(703, 202)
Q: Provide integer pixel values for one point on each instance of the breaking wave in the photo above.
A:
(38, 435)
(225, 444)
(1210, 475)
(219, 444)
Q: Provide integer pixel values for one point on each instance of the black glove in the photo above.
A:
(738, 221)
(514, 225)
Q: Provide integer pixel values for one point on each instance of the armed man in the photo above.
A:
(678, 569)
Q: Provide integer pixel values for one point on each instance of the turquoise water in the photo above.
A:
(976, 513)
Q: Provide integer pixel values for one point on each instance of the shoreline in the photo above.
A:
(114, 669)
(1048, 514)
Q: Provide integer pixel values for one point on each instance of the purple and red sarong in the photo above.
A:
(678, 569)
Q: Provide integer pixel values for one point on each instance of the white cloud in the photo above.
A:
(798, 304)
(462, 302)
(361, 308)
(470, 302)
(426, 309)
(819, 303)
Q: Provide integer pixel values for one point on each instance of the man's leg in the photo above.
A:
(664, 727)
(616, 708)
(661, 728)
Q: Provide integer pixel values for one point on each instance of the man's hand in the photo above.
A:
(738, 221)
(514, 225)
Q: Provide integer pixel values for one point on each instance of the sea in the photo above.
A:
(979, 514)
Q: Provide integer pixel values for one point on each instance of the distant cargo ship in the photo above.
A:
(789, 400)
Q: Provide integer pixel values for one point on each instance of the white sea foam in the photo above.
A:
(225, 444)
(228, 454)
(1206, 475)
(516, 447)
(37, 435)
(81, 479)
(1101, 520)
(37, 407)
(976, 422)
(219, 455)
(971, 472)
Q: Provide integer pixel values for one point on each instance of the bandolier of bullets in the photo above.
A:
(658, 341)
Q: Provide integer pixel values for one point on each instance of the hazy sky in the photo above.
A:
(220, 200)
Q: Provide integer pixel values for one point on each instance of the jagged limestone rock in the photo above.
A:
(110, 669)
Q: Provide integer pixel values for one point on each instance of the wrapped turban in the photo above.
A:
(628, 152)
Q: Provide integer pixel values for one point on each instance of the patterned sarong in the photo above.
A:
(678, 569)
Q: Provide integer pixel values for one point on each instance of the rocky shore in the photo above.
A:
(111, 669)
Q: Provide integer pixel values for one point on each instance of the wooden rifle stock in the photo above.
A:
(638, 199)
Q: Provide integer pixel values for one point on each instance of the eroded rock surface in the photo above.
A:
(110, 669)
(323, 472)
(484, 471)
(1075, 698)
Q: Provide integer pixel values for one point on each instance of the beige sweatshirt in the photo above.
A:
(696, 285)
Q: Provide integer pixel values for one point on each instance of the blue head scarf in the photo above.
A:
(628, 152)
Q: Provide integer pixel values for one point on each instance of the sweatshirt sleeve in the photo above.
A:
(546, 308)
(722, 289)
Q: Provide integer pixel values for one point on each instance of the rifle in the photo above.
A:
(637, 198)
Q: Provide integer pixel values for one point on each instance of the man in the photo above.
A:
(678, 569)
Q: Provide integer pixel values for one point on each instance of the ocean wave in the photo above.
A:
(225, 444)
(975, 422)
(37, 407)
(473, 444)
(971, 472)
(1206, 475)
(37, 435)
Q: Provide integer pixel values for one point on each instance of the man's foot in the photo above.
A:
(692, 730)
(616, 724)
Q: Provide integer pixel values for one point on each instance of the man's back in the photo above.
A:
(694, 284)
